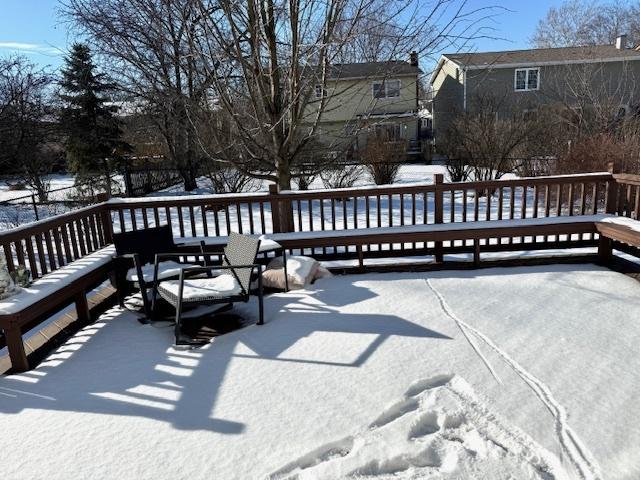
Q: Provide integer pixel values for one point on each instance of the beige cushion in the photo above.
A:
(201, 289)
(300, 270)
(165, 270)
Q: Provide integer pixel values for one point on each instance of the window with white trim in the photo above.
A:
(320, 91)
(527, 79)
(386, 89)
(388, 132)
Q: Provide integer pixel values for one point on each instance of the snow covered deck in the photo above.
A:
(526, 372)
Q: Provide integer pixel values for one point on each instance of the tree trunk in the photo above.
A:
(284, 183)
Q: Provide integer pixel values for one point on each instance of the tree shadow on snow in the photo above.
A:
(119, 367)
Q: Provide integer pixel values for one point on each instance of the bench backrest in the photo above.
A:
(146, 242)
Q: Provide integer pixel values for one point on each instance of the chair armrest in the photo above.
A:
(218, 267)
(137, 264)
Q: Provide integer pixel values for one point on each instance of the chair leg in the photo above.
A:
(177, 330)
(286, 274)
(145, 302)
(260, 302)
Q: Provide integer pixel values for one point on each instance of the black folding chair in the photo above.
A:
(231, 282)
(135, 262)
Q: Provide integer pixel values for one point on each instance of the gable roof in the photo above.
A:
(344, 71)
(543, 55)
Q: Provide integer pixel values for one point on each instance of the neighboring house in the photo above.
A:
(363, 99)
(570, 77)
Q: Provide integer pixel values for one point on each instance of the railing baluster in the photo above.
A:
(58, 246)
(205, 226)
(192, 219)
(33, 265)
(262, 220)
(333, 214)
(41, 256)
(134, 223)
(239, 217)
(145, 218)
(464, 204)
(476, 205)
(250, 213)
(9, 256)
(488, 210)
(20, 253)
(571, 195)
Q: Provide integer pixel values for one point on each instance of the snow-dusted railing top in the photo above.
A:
(46, 245)
(367, 207)
(49, 244)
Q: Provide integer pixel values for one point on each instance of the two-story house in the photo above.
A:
(568, 77)
(363, 99)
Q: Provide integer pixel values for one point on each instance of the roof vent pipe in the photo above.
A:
(621, 42)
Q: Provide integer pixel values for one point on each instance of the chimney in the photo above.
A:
(413, 58)
(621, 42)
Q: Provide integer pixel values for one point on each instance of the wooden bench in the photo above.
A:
(69, 284)
(438, 233)
(616, 229)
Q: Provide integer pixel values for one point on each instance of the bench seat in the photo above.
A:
(620, 229)
(441, 232)
(55, 290)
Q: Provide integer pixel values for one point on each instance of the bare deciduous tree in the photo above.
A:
(270, 56)
(25, 123)
(148, 47)
(382, 157)
(257, 62)
(587, 22)
(493, 138)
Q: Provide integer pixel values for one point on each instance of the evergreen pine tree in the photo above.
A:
(93, 132)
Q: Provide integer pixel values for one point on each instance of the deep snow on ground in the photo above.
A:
(498, 373)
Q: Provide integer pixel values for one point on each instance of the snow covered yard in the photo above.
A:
(510, 373)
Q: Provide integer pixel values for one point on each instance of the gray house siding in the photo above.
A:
(615, 83)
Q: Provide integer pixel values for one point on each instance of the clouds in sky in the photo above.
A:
(30, 48)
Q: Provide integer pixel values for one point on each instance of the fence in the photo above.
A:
(28, 208)
(143, 179)
(46, 245)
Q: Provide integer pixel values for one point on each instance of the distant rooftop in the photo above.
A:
(543, 55)
(372, 69)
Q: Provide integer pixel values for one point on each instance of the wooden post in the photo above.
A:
(105, 218)
(611, 202)
(15, 345)
(275, 208)
(605, 250)
(438, 179)
(281, 212)
(82, 307)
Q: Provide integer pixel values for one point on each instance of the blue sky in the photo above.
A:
(31, 27)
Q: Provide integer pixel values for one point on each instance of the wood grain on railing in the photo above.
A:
(49, 244)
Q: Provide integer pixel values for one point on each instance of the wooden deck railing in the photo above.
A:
(628, 195)
(46, 245)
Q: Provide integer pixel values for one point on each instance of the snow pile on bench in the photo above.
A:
(54, 281)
